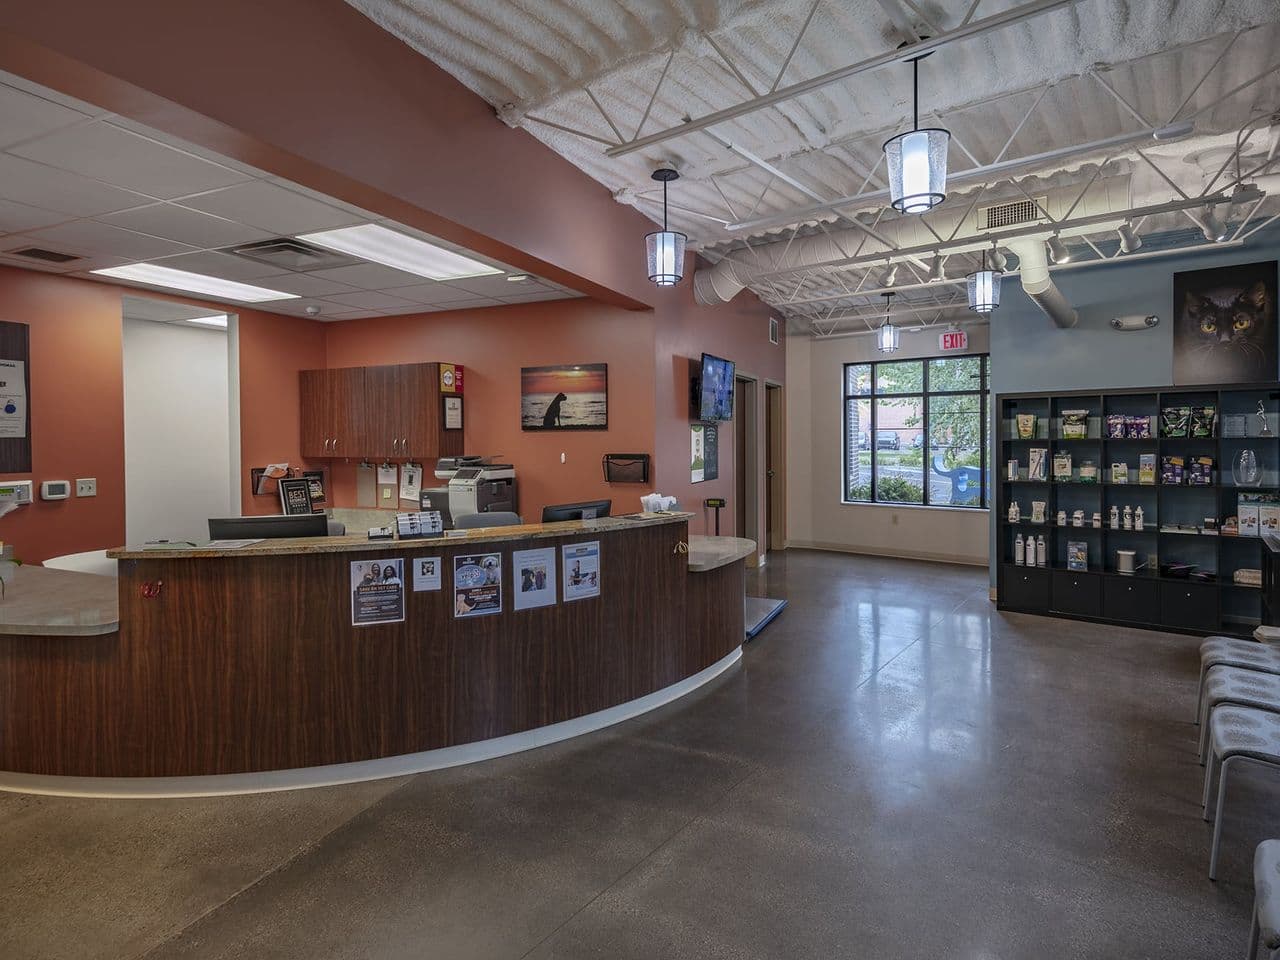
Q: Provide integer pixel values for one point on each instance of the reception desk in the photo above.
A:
(241, 669)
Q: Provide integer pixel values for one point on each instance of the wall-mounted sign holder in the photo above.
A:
(15, 394)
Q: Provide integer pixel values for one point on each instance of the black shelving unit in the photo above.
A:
(1147, 598)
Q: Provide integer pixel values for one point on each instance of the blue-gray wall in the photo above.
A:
(1030, 353)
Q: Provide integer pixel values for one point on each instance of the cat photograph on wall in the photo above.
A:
(1224, 325)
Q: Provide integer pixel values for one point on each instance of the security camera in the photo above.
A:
(314, 311)
(1135, 321)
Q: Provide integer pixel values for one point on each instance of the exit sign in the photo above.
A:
(953, 340)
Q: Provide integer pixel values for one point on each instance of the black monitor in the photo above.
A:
(266, 528)
(589, 510)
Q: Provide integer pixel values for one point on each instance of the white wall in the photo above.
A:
(816, 517)
(177, 431)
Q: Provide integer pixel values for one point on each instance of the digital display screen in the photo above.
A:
(717, 389)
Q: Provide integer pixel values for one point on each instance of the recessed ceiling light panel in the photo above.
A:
(376, 243)
(155, 275)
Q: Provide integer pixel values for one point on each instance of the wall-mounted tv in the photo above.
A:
(715, 393)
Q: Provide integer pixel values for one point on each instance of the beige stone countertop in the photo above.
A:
(360, 543)
(708, 553)
(41, 602)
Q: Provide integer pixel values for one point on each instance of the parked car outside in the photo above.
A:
(887, 440)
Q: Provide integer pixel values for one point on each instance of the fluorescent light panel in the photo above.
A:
(218, 320)
(157, 276)
(370, 241)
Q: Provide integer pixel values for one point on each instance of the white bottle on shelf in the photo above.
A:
(1128, 517)
(1019, 551)
(1015, 512)
(1042, 557)
(1137, 519)
(1115, 517)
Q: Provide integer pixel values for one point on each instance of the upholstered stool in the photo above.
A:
(1266, 898)
(1244, 688)
(1229, 652)
(1237, 735)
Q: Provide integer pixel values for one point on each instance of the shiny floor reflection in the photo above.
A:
(895, 770)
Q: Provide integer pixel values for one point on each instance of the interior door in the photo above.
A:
(348, 405)
(316, 413)
(775, 508)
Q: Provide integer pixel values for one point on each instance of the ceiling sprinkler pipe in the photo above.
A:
(1033, 270)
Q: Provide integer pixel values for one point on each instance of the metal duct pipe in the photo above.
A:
(725, 280)
(1033, 269)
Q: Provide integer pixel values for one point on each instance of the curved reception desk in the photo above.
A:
(289, 663)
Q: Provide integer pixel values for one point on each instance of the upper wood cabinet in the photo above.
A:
(385, 412)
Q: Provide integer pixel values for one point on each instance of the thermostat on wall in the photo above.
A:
(55, 489)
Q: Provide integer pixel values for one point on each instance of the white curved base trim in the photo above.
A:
(124, 788)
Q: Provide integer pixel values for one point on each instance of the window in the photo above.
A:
(915, 431)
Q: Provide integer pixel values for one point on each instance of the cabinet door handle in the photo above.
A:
(335, 444)
(394, 443)
(327, 441)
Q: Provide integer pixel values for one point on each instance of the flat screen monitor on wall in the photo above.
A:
(716, 391)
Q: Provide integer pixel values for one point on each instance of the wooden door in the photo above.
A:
(316, 413)
(383, 414)
(419, 388)
(775, 469)
(349, 412)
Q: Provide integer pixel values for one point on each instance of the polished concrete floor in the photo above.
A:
(895, 770)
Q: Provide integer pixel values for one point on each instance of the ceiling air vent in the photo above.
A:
(48, 256)
(1011, 214)
(286, 253)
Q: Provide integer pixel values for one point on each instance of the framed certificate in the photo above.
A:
(295, 496)
(453, 413)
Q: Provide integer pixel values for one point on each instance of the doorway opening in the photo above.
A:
(746, 452)
(775, 473)
(181, 419)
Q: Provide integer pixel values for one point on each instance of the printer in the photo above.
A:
(475, 485)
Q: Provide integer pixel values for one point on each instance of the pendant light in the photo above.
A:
(917, 160)
(984, 288)
(665, 248)
(887, 335)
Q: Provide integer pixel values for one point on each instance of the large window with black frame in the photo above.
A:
(915, 431)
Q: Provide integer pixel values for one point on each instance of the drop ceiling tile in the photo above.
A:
(356, 315)
(250, 173)
(43, 186)
(430, 292)
(90, 238)
(45, 93)
(124, 159)
(24, 116)
(536, 297)
(368, 276)
(411, 308)
(495, 286)
(272, 208)
(370, 300)
(364, 215)
(162, 311)
(16, 217)
(186, 226)
(221, 265)
(471, 302)
(306, 284)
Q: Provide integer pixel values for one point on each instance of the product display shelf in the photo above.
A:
(1146, 597)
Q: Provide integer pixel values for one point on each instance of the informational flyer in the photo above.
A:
(13, 398)
(477, 584)
(377, 592)
(534, 578)
(426, 573)
(387, 474)
(411, 482)
(697, 453)
(581, 570)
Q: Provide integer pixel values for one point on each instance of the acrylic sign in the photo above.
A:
(953, 340)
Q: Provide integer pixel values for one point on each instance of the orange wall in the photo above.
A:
(77, 404)
(493, 344)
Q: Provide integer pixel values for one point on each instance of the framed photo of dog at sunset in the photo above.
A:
(567, 397)
(1224, 325)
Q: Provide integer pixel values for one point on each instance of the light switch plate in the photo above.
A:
(87, 487)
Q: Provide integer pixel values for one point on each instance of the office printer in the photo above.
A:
(475, 485)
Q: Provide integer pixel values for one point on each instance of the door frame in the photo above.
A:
(752, 460)
(775, 506)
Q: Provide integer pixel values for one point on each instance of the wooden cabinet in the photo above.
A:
(1025, 588)
(1136, 599)
(1079, 594)
(390, 412)
(1192, 606)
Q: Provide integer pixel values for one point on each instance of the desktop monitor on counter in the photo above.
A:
(588, 510)
(264, 528)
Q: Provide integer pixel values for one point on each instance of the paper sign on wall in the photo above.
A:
(581, 570)
(377, 591)
(534, 578)
(13, 398)
(477, 584)
(450, 378)
(426, 573)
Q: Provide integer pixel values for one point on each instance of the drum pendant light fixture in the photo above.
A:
(984, 288)
(917, 160)
(887, 335)
(665, 248)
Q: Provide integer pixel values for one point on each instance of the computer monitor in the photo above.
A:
(265, 528)
(589, 510)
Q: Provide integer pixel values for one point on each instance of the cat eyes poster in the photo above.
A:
(1224, 325)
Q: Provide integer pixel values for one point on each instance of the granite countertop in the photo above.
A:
(42, 602)
(360, 543)
(708, 553)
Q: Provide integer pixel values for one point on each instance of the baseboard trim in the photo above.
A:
(895, 554)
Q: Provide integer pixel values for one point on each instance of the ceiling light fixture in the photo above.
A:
(518, 278)
(1214, 230)
(155, 275)
(984, 288)
(917, 160)
(664, 249)
(937, 269)
(1129, 239)
(890, 275)
(218, 320)
(887, 336)
(373, 242)
(997, 259)
(1058, 251)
